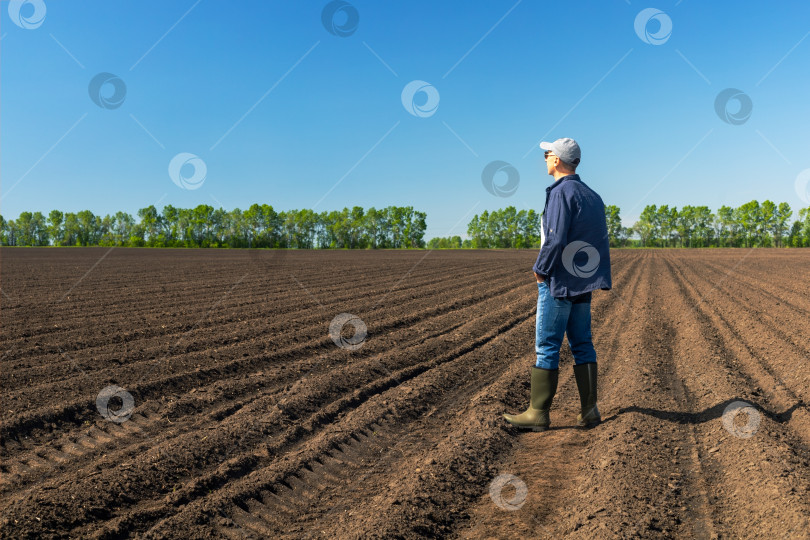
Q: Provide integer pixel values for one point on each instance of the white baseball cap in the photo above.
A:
(566, 149)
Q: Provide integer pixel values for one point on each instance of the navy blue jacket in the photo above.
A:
(575, 255)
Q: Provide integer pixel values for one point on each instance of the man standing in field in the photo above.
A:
(574, 260)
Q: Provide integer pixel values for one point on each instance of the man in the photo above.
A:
(574, 260)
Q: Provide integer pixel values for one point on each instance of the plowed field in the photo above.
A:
(237, 415)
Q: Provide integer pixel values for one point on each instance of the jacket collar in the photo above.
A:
(561, 180)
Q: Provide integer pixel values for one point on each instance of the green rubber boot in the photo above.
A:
(585, 375)
(544, 386)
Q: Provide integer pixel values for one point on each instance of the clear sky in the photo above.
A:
(281, 110)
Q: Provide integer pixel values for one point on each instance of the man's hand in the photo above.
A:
(538, 277)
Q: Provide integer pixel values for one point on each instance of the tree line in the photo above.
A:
(260, 226)
(751, 224)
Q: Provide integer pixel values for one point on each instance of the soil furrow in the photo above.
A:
(204, 319)
(303, 400)
(196, 370)
(274, 376)
(754, 321)
(740, 359)
(754, 473)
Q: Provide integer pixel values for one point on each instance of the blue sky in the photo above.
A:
(282, 111)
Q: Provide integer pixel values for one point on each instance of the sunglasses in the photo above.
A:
(546, 154)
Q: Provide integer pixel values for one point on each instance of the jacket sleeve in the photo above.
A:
(558, 219)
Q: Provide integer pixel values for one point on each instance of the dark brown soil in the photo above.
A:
(250, 422)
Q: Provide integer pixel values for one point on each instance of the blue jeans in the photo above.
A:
(556, 317)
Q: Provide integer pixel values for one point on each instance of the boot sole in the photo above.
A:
(531, 428)
(588, 425)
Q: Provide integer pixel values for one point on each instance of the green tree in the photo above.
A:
(667, 219)
(55, 221)
(202, 224)
(647, 226)
(451, 242)
(684, 224)
(804, 220)
(372, 226)
(10, 233)
(726, 227)
(703, 228)
(475, 231)
(170, 222)
(25, 229)
(151, 222)
(767, 222)
(416, 229)
(750, 219)
(614, 224)
(794, 238)
(122, 227)
(530, 229)
(782, 215)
